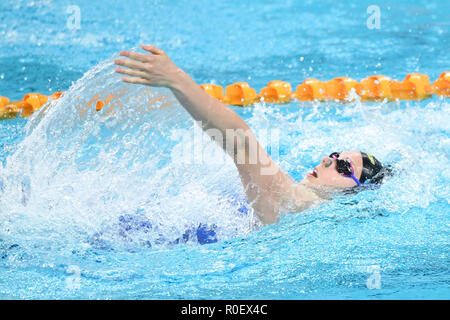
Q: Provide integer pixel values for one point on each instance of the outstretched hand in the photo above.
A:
(154, 69)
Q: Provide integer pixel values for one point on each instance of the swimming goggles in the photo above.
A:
(344, 167)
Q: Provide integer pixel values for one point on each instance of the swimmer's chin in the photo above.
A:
(312, 184)
(309, 182)
(324, 191)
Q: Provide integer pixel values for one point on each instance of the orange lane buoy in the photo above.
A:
(277, 91)
(99, 105)
(374, 88)
(16, 108)
(441, 86)
(56, 95)
(8, 112)
(4, 101)
(415, 86)
(339, 88)
(102, 103)
(240, 94)
(311, 89)
(36, 100)
(213, 90)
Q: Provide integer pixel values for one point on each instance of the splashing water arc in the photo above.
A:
(78, 171)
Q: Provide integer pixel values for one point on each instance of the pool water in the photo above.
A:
(92, 203)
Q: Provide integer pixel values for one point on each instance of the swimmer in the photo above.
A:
(269, 190)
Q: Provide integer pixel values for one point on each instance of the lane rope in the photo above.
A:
(415, 86)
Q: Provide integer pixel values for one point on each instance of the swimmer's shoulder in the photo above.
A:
(303, 197)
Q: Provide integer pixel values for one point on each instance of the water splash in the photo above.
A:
(79, 172)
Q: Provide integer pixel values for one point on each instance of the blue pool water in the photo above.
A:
(93, 205)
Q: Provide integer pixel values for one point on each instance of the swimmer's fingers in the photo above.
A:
(155, 69)
(152, 49)
(131, 64)
(131, 72)
(136, 80)
(143, 57)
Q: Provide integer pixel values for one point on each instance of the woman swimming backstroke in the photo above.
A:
(269, 190)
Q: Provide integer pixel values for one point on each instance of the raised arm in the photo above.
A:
(269, 190)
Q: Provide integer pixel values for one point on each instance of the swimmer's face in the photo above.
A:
(325, 174)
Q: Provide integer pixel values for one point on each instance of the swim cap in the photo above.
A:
(371, 167)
